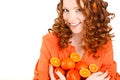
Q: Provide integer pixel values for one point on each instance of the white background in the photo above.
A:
(22, 25)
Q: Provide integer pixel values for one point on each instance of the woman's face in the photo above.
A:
(73, 16)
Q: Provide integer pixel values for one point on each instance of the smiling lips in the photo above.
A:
(74, 24)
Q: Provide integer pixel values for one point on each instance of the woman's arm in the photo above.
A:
(41, 70)
(108, 63)
(108, 68)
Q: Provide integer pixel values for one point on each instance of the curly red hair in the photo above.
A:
(96, 25)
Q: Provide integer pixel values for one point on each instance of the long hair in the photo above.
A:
(60, 28)
(96, 24)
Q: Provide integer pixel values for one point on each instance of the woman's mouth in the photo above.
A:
(74, 24)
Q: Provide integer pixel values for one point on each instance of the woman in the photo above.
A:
(82, 26)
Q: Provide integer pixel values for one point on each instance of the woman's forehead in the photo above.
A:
(72, 3)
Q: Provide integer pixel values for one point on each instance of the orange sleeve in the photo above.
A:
(108, 63)
(41, 68)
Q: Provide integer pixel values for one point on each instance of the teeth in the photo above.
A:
(74, 24)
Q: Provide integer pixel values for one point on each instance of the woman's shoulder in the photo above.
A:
(108, 44)
(50, 38)
(104, 50)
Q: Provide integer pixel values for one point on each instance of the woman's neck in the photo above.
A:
(77, 42)
(77, 38)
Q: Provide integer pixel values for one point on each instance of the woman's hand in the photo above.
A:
(99, 76)
(51, 73)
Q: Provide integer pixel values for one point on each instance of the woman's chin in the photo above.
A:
(76, 32)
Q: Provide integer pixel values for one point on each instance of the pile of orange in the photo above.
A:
(73, 68)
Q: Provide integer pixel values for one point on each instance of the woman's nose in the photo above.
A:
(71, 17)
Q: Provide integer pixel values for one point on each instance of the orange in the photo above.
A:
(58, 69)
(55, 61)
(93, 68)
(81, 65)
(84, 73)
(72, 75)
(75, 57)
(67, 64)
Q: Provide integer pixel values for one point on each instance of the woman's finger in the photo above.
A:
(108, 78)
(61, 76)
(105, 74)
(98, 73)
(51, 72)
(50, 68)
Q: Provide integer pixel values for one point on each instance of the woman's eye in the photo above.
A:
(65, 10)
(78, 10)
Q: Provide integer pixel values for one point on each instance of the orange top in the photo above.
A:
(50, 48)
